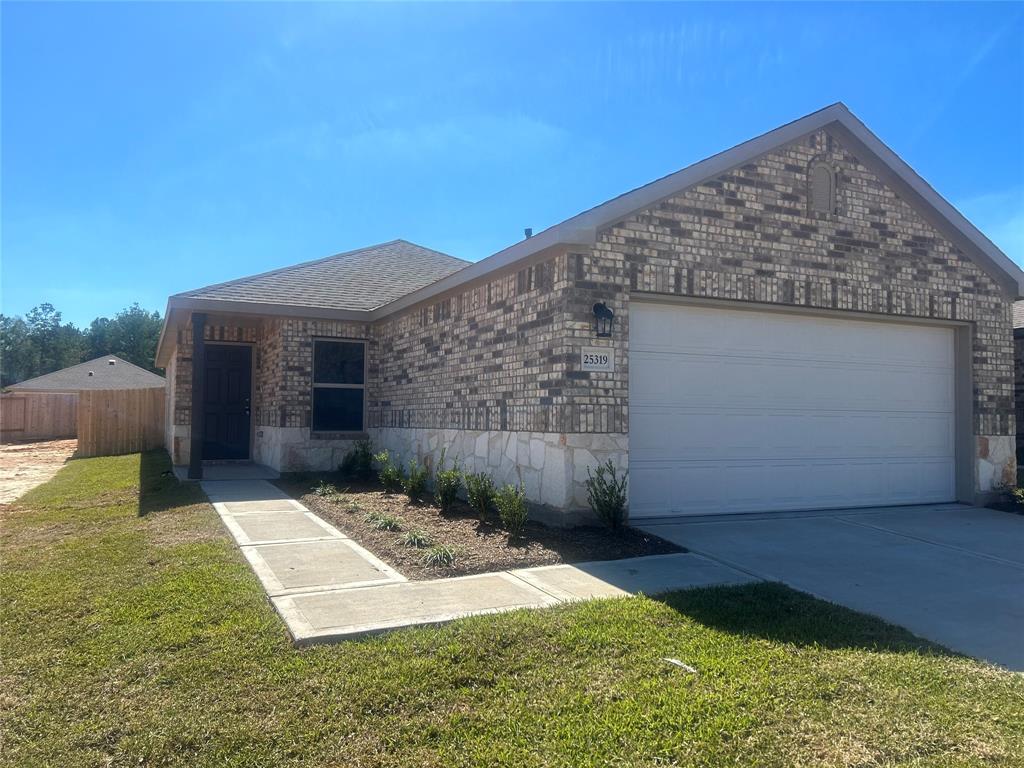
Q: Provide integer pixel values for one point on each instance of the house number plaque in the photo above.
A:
(597, 359)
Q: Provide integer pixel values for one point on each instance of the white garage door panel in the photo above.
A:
(735, 410)
(750, 435)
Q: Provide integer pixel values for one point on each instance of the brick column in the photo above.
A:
(195, 454)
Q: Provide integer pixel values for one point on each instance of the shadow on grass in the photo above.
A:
(159, 489)
(777, 613)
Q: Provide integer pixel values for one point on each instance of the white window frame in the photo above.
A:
(314, 386)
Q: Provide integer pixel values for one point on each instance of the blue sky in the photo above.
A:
(148, 149)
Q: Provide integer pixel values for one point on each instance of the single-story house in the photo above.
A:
(107, 372)
(798, 322)
(46, 407)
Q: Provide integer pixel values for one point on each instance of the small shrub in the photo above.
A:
(480, 492)
(439, 557)
(447, 485)
(606, 493)
(384, 522)
(417, 539)
(358, 462)
(351, 507)
(511, 504)
(389, 474)
(1017, 494)
(325, 489)
(415, 483)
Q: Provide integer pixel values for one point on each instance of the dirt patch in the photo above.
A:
(23, 466)
(479, 547)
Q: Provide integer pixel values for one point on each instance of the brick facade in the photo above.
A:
(502, 355)
(1018, 387)
(748, 235)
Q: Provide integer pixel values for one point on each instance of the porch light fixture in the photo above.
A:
(603, 318)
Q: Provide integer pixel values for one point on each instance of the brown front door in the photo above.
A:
(226, 402)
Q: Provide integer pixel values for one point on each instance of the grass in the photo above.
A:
(133, 633)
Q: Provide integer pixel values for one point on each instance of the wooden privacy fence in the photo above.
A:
(38, 415)
(114, 421)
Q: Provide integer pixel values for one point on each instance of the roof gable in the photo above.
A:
(359, 280)
(93, 374)
(582, 228)
(374, 289)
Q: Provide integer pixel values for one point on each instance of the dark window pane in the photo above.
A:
(337, 410)
(337, 362)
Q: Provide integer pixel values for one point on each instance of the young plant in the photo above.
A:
(511, 504)
(358, 462)
(447, 485)
(384, 522)
(439, 557)
(1017, 494)
(606, 493)
(325, 489)
(480, 492)
(389, 474)
(417, 539)
(415, 483)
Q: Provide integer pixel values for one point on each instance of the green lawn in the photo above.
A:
(143, 639)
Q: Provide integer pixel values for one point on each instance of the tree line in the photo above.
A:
(40, 342)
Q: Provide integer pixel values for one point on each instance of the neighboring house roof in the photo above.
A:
(93, 374)
(359, 280)
(583, 228)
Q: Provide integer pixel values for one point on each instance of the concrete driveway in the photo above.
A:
(953, 574)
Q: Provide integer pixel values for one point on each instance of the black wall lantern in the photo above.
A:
(603, 318)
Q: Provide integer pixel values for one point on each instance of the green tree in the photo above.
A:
(132, 334)
(40, 342)
(57, 345)
(18, 354)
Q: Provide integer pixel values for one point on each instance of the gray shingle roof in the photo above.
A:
(361, 280)
(120, 375)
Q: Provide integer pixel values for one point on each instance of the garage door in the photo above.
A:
(742, 411)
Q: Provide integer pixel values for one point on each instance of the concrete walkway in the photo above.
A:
(326, 587)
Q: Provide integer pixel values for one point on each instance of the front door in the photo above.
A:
(226, 401)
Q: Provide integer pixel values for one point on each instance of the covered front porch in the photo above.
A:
(261, 393)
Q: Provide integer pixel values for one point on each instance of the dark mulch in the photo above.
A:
(479, 547)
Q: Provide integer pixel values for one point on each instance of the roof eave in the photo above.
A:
(582, 229)
(180, 309)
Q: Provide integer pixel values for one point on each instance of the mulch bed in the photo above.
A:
(479, 547)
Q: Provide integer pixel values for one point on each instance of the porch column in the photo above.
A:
(195, 453)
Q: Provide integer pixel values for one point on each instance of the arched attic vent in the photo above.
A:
(822, 179)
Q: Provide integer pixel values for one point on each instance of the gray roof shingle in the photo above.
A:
(120, 375)
(363, 279)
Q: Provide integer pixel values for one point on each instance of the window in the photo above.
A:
(339, 386)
